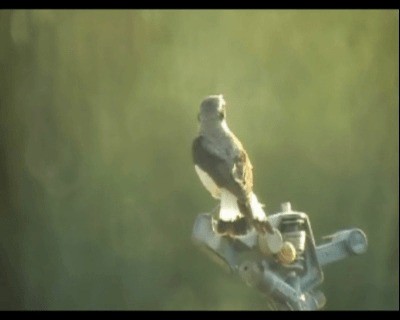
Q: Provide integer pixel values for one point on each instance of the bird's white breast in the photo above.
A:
(208, 182)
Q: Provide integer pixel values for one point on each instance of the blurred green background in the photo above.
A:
(98, 111)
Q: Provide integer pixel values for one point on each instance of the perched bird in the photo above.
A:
(225, 170)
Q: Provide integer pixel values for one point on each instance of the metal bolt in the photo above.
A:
(286, 207)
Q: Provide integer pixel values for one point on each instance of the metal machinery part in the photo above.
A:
(263, 263)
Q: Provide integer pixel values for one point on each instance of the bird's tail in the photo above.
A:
(259, 217)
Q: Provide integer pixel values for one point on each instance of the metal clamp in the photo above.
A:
(290, 277)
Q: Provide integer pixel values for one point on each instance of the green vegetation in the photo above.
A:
(98, 110)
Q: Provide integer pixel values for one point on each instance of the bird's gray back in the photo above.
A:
(223, 146)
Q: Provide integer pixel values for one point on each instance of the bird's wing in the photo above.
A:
(242, 171)
(235, 176)
(216, 167)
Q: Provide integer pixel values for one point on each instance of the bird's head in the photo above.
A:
(212, 110)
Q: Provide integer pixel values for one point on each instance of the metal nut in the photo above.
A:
(287, 254)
